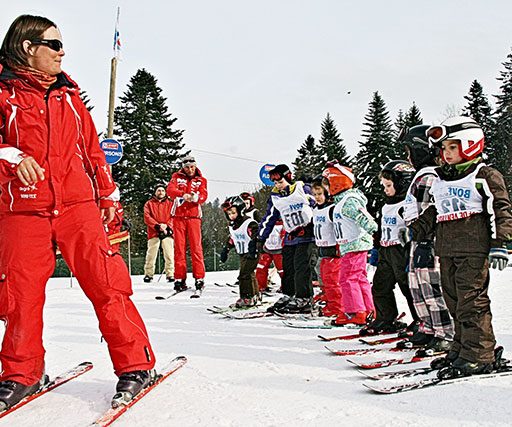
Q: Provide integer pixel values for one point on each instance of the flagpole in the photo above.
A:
(113, 73)
(112, 97)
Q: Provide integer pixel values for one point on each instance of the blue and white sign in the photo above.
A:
(113, 150)
(264, 176)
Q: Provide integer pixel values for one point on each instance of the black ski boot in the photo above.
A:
(147, 279)
(444, 362)
(382, 327)
(419, 339)
(280, 304)
(435, 347)
(199, 284)
(464, 368)
(170, 279)
(12, 392)
(180, 286)
(130, 384)
(297, 306)
(409, 330)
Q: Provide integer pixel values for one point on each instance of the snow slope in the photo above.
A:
(244, 372)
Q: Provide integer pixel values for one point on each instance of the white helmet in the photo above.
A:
(464, 129)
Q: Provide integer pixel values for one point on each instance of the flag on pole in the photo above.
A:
(117, 39)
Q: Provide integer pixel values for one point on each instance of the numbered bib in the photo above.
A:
(391, 223)
(323, 227)
(457, 199)
(275, 239)
(346, 230)
(241, 237)
(294, 208)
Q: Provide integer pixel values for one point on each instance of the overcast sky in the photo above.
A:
(254, 78)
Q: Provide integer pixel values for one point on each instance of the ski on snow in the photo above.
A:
(390, 362)
(362, 351)
(434, 381)
(113, 414)
(59, 380)
(392, 375)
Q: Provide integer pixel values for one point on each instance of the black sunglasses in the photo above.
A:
(53, 44)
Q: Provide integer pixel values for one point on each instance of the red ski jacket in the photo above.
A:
(55, 128)
(181, 184)
(157, 212)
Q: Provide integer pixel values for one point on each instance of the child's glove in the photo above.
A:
(224, 254)
(423, 256)
(373, 258)
(498, 258)
(251, 247)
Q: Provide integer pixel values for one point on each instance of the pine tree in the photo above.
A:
(152, 145)
(413, 117)
(331, 144)
(308, 162)
(502, 137)
(377, 149)
(479, 109)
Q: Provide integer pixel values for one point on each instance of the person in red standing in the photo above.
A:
(189, 190)
(157, 216)
(56, 190)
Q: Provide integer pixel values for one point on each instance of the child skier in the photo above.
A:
(250, 209)
(474, 222)
(435, 331)
(243, 231)
(395, 178)
(353, 226)
(328, 250)
(291, 202)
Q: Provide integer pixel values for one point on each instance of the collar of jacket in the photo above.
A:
(196, 174)
(9, 77)
(287, 191)
(452, 172)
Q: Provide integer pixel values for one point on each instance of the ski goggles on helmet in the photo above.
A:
(439, 133)
(53, 44)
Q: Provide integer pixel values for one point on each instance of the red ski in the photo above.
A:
(381, 341)
(388, 362)
(361, 351)
(113, 414)
(63, 378)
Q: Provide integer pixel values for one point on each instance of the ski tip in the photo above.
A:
(373, 389)
(330, 350)
(322, 338)
(366, 374)
(86, 364)
(159, 298)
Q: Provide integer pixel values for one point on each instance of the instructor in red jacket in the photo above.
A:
(56, 190)
(188, 189)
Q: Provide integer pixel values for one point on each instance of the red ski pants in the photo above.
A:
(330, 275)
(27, 261)
(264, 262)
(187, 229)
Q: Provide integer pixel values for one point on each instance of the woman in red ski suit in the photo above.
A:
(188, 188)
(56, 190)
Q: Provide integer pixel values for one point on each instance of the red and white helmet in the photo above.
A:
(464, 129)
(339, 178)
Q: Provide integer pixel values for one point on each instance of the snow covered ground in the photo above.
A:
(245, 372)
